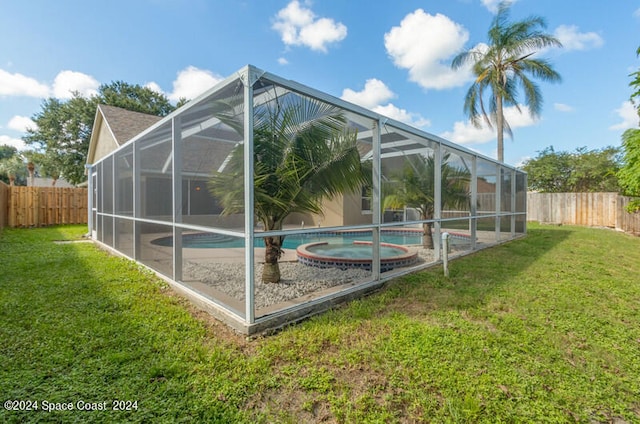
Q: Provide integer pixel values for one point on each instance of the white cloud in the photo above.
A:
(373, 96)
(67, 82)
(561, 107)
(299, 26)
(629, 115)
(154, 87)
(191, 82)
(402, 115)
(283, 61)
(290, 20)
(492, 5)
(20, 85)
(519, 163)
(425, 44)
(375, 93)
(64, 84)
(11, 141)
(572, 39)
(467, 133)
(636, 14)
(21, 123)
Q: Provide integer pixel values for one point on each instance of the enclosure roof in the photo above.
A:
(396, 138)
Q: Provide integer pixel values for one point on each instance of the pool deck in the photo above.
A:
(228, 302)
(155, 252)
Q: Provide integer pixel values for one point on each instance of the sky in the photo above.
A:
(391, 56)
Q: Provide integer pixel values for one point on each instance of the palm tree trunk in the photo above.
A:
(273, 252)
(427, 235)
(500, 128)
(31, 168)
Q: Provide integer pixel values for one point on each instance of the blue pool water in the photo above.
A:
(209, 241)
(354, 251)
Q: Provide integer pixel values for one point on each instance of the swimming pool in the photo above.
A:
(219, 241)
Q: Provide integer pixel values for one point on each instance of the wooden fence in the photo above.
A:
(628, 222)
(588, 209)
(41, 206)
(4, 205)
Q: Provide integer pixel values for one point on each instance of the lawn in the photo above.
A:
(542, 329)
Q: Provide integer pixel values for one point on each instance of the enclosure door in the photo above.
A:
(94, 205)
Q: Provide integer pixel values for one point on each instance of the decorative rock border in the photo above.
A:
(309, 258)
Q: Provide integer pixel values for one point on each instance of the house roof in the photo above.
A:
(126, 124)
(121, 124)
(48, 182)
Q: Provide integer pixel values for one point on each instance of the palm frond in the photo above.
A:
(414, 186)
(303, 154)
(502, 67)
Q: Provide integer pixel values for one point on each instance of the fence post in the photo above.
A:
(11, 219)
(4, 204)
(37, 214)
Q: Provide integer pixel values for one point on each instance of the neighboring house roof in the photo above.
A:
(48, 182)
(202, 154)
(114, 126)
(126, 124)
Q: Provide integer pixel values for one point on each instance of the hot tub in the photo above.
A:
(355, 255)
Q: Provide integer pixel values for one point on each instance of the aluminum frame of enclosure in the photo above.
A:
(155, 187)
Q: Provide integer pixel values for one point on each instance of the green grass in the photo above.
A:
(542, 329)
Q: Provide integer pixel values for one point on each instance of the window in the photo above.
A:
(366, 200)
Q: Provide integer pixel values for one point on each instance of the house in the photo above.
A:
(114, 126)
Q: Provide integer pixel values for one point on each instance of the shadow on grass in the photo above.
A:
(80, 330)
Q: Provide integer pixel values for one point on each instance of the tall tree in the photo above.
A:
(135, 98)
(549, 171)
(63, 128)
(6, 152)
(629, 174)
(50, 167)
(572, 172)
(45, 164)
(303, 154)
(13, 167)
(595, 170)
(503, 66)
(414, 187)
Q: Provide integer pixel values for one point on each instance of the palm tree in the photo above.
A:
(13, 168)
(303, 154)
(48, 165)
(503, 66)
(32, 158)
(414, 187)
(31, 167)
